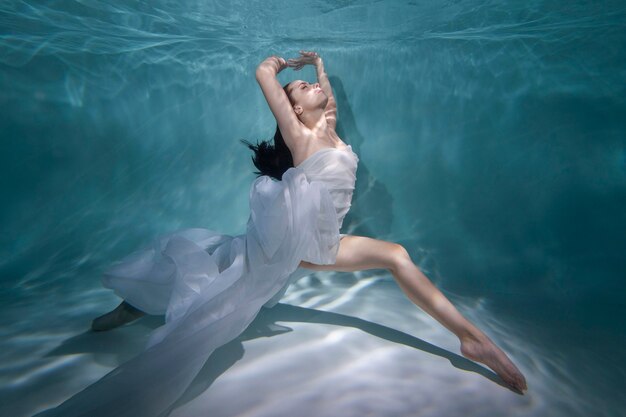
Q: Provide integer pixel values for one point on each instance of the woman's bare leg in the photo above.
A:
(359, 252)
(122, 314)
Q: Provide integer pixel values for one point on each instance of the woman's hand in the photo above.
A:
(282, 64)
(307, 57)
(275, 62)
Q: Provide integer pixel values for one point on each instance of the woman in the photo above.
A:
(210, 286)
(307, 116)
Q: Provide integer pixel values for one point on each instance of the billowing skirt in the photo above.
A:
(210, 287)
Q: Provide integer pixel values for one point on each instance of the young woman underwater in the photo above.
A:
(210, 286)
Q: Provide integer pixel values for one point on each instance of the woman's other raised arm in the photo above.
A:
(276, 98)
(331, 107)
(312, 58)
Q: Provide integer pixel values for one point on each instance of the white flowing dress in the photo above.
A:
(211, 286)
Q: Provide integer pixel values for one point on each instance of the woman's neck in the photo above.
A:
(316, 122)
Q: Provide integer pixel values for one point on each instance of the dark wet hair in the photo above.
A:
(272, 160)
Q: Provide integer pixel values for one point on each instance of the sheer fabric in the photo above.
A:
(210, 286)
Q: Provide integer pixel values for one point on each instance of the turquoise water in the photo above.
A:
(492, 145)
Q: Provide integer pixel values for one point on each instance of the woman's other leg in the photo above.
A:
(122, 314)
(359, 252)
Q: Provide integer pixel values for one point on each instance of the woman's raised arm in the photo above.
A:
(331, 107)
(276, 98)
(309, 57)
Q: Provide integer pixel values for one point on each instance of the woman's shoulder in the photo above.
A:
(309, 146)
(337, 139)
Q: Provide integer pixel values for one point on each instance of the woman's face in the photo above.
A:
(308, 96)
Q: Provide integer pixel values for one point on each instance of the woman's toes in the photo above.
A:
(100, 324)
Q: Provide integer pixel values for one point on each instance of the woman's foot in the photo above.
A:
(124, 313)
(482, 349)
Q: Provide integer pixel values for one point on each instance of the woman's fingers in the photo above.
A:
(296, 63)
(304, 59)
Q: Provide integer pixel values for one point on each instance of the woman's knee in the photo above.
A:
(359, 253)
(400, 257)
